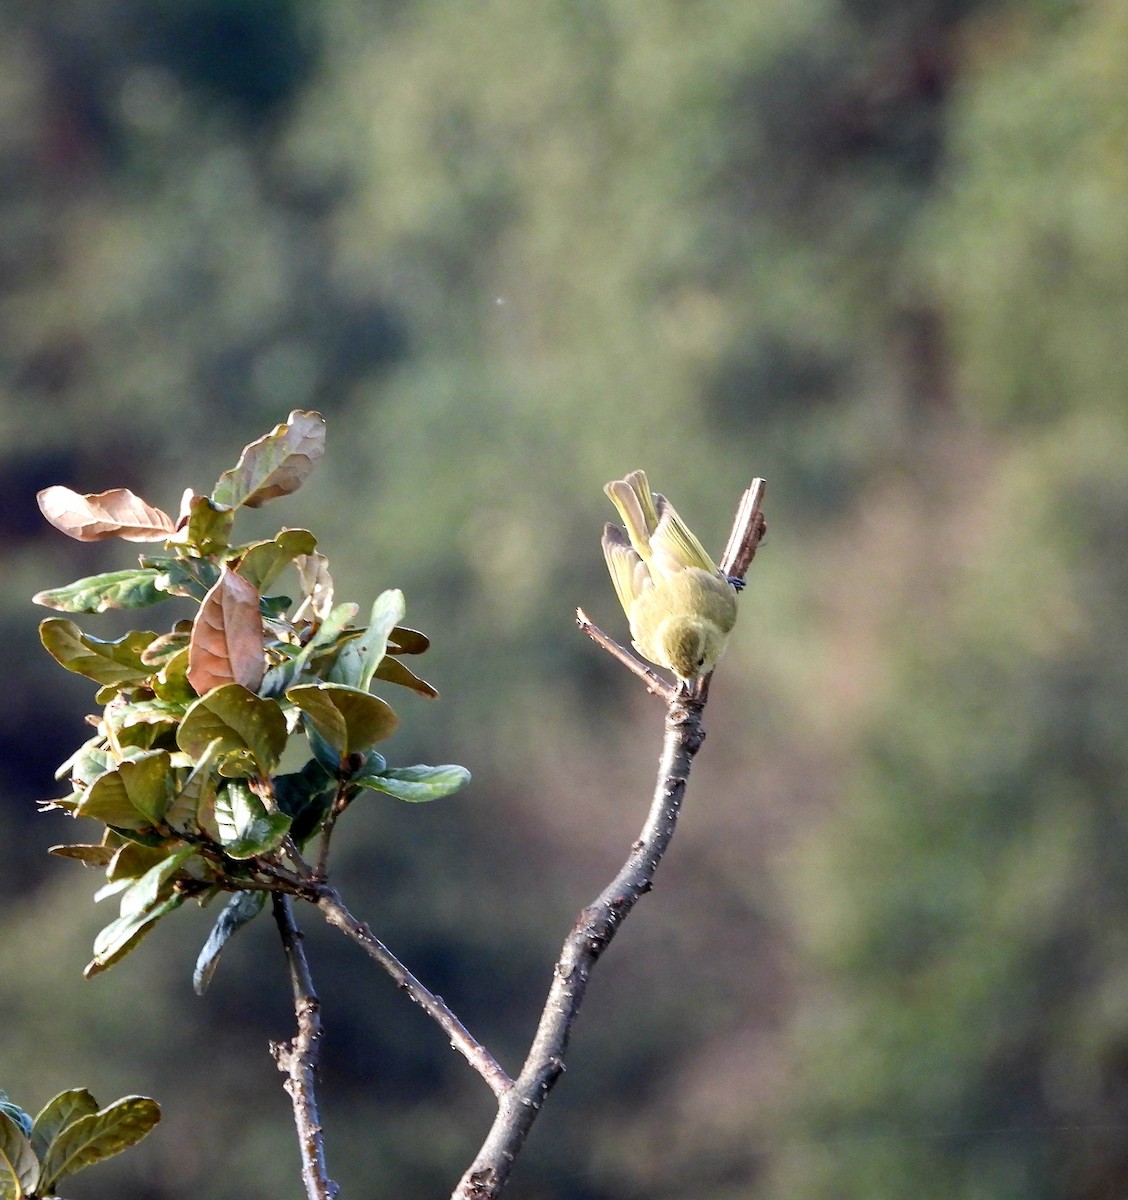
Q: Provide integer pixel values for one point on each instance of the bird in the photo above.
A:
(679, 606)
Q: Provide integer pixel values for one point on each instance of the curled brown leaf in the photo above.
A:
(95, 516)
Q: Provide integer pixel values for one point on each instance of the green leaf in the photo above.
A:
(273, 607)
(19, 1166)
(387, 612)
(59, 1112)
(123, 935)
(171, 683)
(152, 887)
(327, 632)
(199, 788)
(262, 563)
(274, 465)
(240, 720)
(391, 670)
(282, 670)
(97, 1136)
(240, 910)
(112, 663)
(403, 640)
(415, 784)
(209, 527)
(368, 657)
(116, 589)
(350, 720)
(134, 796)
(89, 761)
(10, 1188)
(305, 797)
(11, 1109)
(351, 665)
(142, 722)
(192, 577)
(161, 649)
(143, 837)
(245, 826)
(129, 863)
(325, 754)
(15, 1113)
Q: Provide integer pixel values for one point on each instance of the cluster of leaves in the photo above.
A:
(70, 1133)
(183, 769)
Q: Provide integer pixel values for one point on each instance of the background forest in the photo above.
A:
(875, 251)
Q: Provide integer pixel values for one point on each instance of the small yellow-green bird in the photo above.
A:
(679, 606)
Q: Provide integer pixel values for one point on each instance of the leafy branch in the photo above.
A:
(70, 1133)
(184, 768)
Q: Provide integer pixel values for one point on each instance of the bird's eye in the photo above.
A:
(701, 661)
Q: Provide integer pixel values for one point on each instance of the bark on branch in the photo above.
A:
(297, 1059)
(596, 925)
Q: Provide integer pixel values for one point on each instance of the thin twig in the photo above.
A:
(301, 868)
(654, 682)
(335, 912)
(297, 1059)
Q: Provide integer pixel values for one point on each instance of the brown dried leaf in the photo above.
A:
(274, 465)
(227, 637)
(93, 517)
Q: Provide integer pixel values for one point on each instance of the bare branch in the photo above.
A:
(520, 1104)
(297, 1059)
(590, 936)
(335, 912)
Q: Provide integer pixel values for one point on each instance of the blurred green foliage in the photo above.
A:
(870, 250)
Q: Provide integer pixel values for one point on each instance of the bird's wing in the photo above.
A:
(673, 546)
(628, 572)
(631, 496)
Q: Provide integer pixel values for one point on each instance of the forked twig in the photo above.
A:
(520, 1100)
(520, 1103)
(297, 1059)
